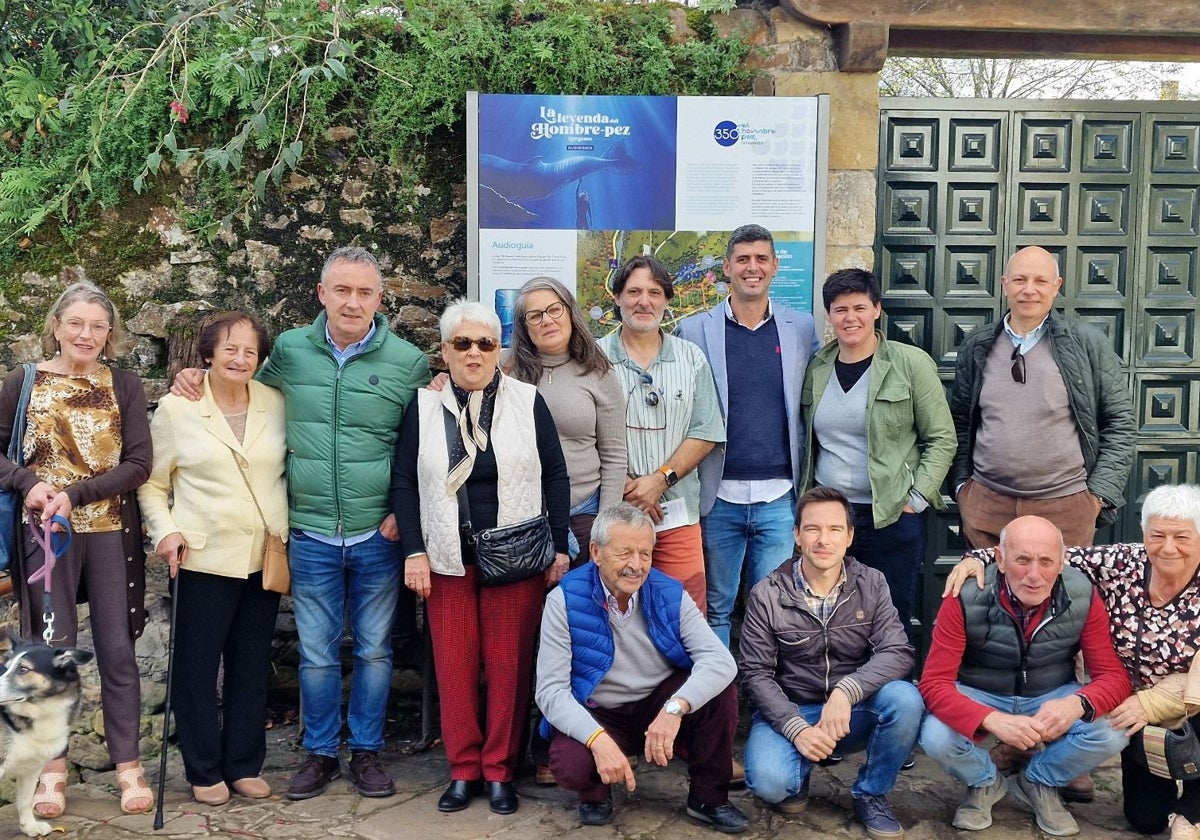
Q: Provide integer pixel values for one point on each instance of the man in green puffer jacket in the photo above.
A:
(346, 380)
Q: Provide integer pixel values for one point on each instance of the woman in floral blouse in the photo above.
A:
(1153, 600)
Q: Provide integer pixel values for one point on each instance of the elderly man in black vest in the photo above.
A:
(1002, 663)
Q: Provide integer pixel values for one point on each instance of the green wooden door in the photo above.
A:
(1112, 190)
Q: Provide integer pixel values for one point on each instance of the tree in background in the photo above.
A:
(1025, 78)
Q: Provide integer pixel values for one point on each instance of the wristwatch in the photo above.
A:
(673, 707)
(1089, 711)
(669, 474)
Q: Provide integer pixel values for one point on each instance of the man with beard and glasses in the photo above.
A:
(672, 419)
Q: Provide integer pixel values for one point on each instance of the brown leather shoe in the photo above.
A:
(313, 776)
(1079, 789)
(737, 775)
(544, 775)
(368, 775)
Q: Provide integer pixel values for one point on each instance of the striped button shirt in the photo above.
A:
(670, 401)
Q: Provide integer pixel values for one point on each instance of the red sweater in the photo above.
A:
(939, 680)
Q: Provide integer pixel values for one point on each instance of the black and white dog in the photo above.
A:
(39, 695)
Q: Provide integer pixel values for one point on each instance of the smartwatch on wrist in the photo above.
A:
(669, 474)
(1089, 711)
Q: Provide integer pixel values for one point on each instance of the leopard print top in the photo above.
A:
(74, 433)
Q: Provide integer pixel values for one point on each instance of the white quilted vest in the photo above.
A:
(519, 489)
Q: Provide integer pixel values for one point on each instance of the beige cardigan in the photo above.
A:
(1173, 698)
(194, 451)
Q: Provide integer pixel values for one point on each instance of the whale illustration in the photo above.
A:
(537, 178)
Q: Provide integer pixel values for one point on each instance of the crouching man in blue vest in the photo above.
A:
(628, 665)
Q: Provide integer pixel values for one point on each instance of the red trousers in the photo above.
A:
(679, 553)
(493, 629)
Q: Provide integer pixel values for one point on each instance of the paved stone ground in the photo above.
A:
(924, 800)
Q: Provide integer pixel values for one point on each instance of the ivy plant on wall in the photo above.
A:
(103, 98)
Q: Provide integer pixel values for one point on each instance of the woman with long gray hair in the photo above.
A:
(87, 448)
(553, 350)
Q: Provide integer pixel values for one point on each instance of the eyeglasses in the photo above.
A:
(462, 344)
(554, 311)
(651, 398)
(76, 327)
(1018, 366)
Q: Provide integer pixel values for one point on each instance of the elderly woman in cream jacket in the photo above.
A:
(221, 459)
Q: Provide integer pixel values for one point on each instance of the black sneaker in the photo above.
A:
(726, 818)
(314, 776)
(368, 775)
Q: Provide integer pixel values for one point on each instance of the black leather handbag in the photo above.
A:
(514, 552)
(508, 553)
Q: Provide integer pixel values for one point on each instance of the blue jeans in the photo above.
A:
(885, 725)
(757, 536)
(1083, 746)
(323, 578)
(897, 550)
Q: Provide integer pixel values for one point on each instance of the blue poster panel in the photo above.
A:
(571, 187)
(576, 162)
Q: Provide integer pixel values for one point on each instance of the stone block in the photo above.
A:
(850, 209)
(189, 257)
(746, 25)
(317, 205)
(354, 191)
(155, 318)
(788, 29)
(861, 46)
(444, 228)
(340, 133)
(409, 229)
(853, 114)
(316, 233)
(88, 751)
(295, 182)
(682, 32)
(260, 255)
(771, 58)
(359, 216)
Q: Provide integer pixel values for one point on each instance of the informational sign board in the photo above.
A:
(571, 187)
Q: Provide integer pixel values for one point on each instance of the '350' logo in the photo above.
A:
(726, 133)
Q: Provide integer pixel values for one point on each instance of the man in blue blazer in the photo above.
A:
(758, 350)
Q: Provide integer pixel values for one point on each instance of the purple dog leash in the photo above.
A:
(54, 544)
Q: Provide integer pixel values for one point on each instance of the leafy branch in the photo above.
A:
(237, 92)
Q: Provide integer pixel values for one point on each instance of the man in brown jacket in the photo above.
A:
(824, 665)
